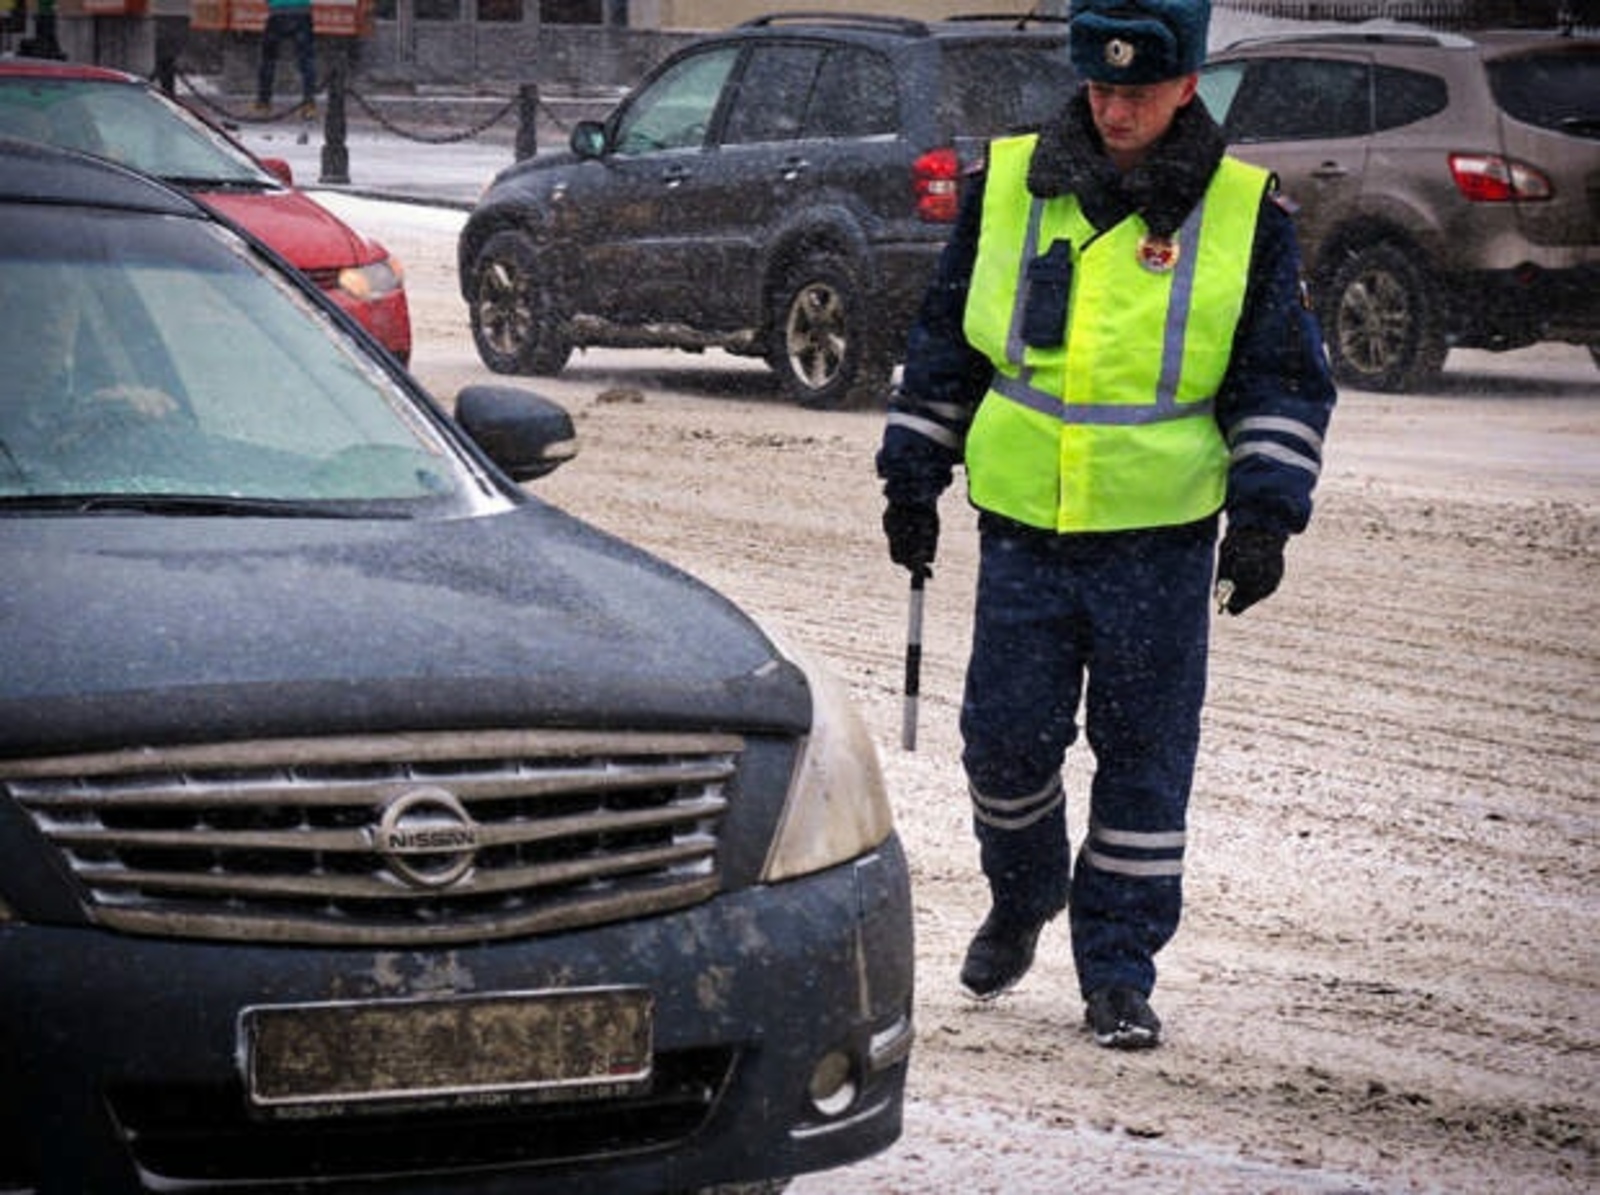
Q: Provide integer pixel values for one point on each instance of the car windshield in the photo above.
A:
(147, 355)
(126, 123)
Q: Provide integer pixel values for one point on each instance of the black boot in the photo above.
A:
(1122, 1019)
(1000, 955)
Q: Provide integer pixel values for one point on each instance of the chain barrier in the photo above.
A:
(467, 134)
(252, 117)
(296, 108)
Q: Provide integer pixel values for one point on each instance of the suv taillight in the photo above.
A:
(1489, 178)
(933, 182)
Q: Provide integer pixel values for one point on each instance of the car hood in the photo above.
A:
(134, 630)
(546, 164)
(302, 230)
(530, 179)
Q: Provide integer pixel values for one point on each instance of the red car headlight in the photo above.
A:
(372, 281)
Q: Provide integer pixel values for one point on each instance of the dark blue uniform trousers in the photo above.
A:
(1120, 620)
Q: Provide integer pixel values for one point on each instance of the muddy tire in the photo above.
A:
(516, 312)
(1382, 320)
(825, 351)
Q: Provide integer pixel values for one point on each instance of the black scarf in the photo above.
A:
(1163, 189)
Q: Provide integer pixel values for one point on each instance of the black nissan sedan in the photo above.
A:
(366, 822)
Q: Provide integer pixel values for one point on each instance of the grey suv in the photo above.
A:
(780, 190)
(1448, 187)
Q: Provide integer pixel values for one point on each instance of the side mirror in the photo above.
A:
(588, 138)
(280, 170)
(524, 433)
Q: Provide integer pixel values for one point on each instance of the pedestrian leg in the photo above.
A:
(1142, 717)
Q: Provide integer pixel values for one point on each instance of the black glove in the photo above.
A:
(1252, 560)
(913, 531)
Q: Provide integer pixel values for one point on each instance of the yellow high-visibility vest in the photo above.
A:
(1113, 427)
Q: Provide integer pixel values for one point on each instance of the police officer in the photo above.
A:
(1117, 348)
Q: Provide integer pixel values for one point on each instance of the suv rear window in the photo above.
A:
(1289, 99)
(770, 101)
(986, 90)
(1312, 99)
(1404, 97)
(856, 96)
(1553, 91)
(790, 91)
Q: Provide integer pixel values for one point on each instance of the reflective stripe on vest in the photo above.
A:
(1111, 429)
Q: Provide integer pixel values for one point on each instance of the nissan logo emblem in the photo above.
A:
(426, 838)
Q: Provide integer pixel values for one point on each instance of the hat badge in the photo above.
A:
(1119, 53)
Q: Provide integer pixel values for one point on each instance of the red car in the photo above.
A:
(121, 117)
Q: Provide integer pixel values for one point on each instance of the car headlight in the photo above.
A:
(372, 281)
(837, 807)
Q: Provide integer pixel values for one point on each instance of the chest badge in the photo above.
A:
(1158, 254)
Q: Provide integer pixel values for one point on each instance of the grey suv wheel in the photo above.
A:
(824, 350)
(1381, 316)
(515, 312)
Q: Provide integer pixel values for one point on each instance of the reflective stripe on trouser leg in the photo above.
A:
(1024, 852)
(1146, 687)
(1017, 719)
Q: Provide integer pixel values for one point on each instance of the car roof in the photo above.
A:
(1403, 34)
(872, 27)
(49, 68)
(35, 173)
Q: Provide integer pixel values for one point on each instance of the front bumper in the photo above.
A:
(120, 1057)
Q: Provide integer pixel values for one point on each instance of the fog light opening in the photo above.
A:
(833, 1088)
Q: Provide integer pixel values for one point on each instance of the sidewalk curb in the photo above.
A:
(383, 195)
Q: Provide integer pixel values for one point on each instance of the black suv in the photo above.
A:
(1448, 186)
(368, 824)
(779, 190)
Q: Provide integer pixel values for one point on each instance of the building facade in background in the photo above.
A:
(568, 45)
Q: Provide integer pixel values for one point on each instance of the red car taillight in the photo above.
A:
(933, 182)
(1489, 178)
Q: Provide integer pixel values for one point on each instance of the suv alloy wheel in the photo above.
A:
(824, 351)
(515, 316)
(1381, 320)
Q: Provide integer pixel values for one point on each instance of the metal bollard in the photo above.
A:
(335, 147)
(527, 120)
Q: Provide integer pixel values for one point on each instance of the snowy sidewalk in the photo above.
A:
(386, 165)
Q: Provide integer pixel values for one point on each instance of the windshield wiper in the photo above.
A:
(190, 505)
(198, 183)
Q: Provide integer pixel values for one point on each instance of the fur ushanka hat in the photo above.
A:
(1138, 41)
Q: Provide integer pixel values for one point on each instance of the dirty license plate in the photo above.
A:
(325, 1059)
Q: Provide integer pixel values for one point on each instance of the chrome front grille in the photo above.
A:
(386, 840)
